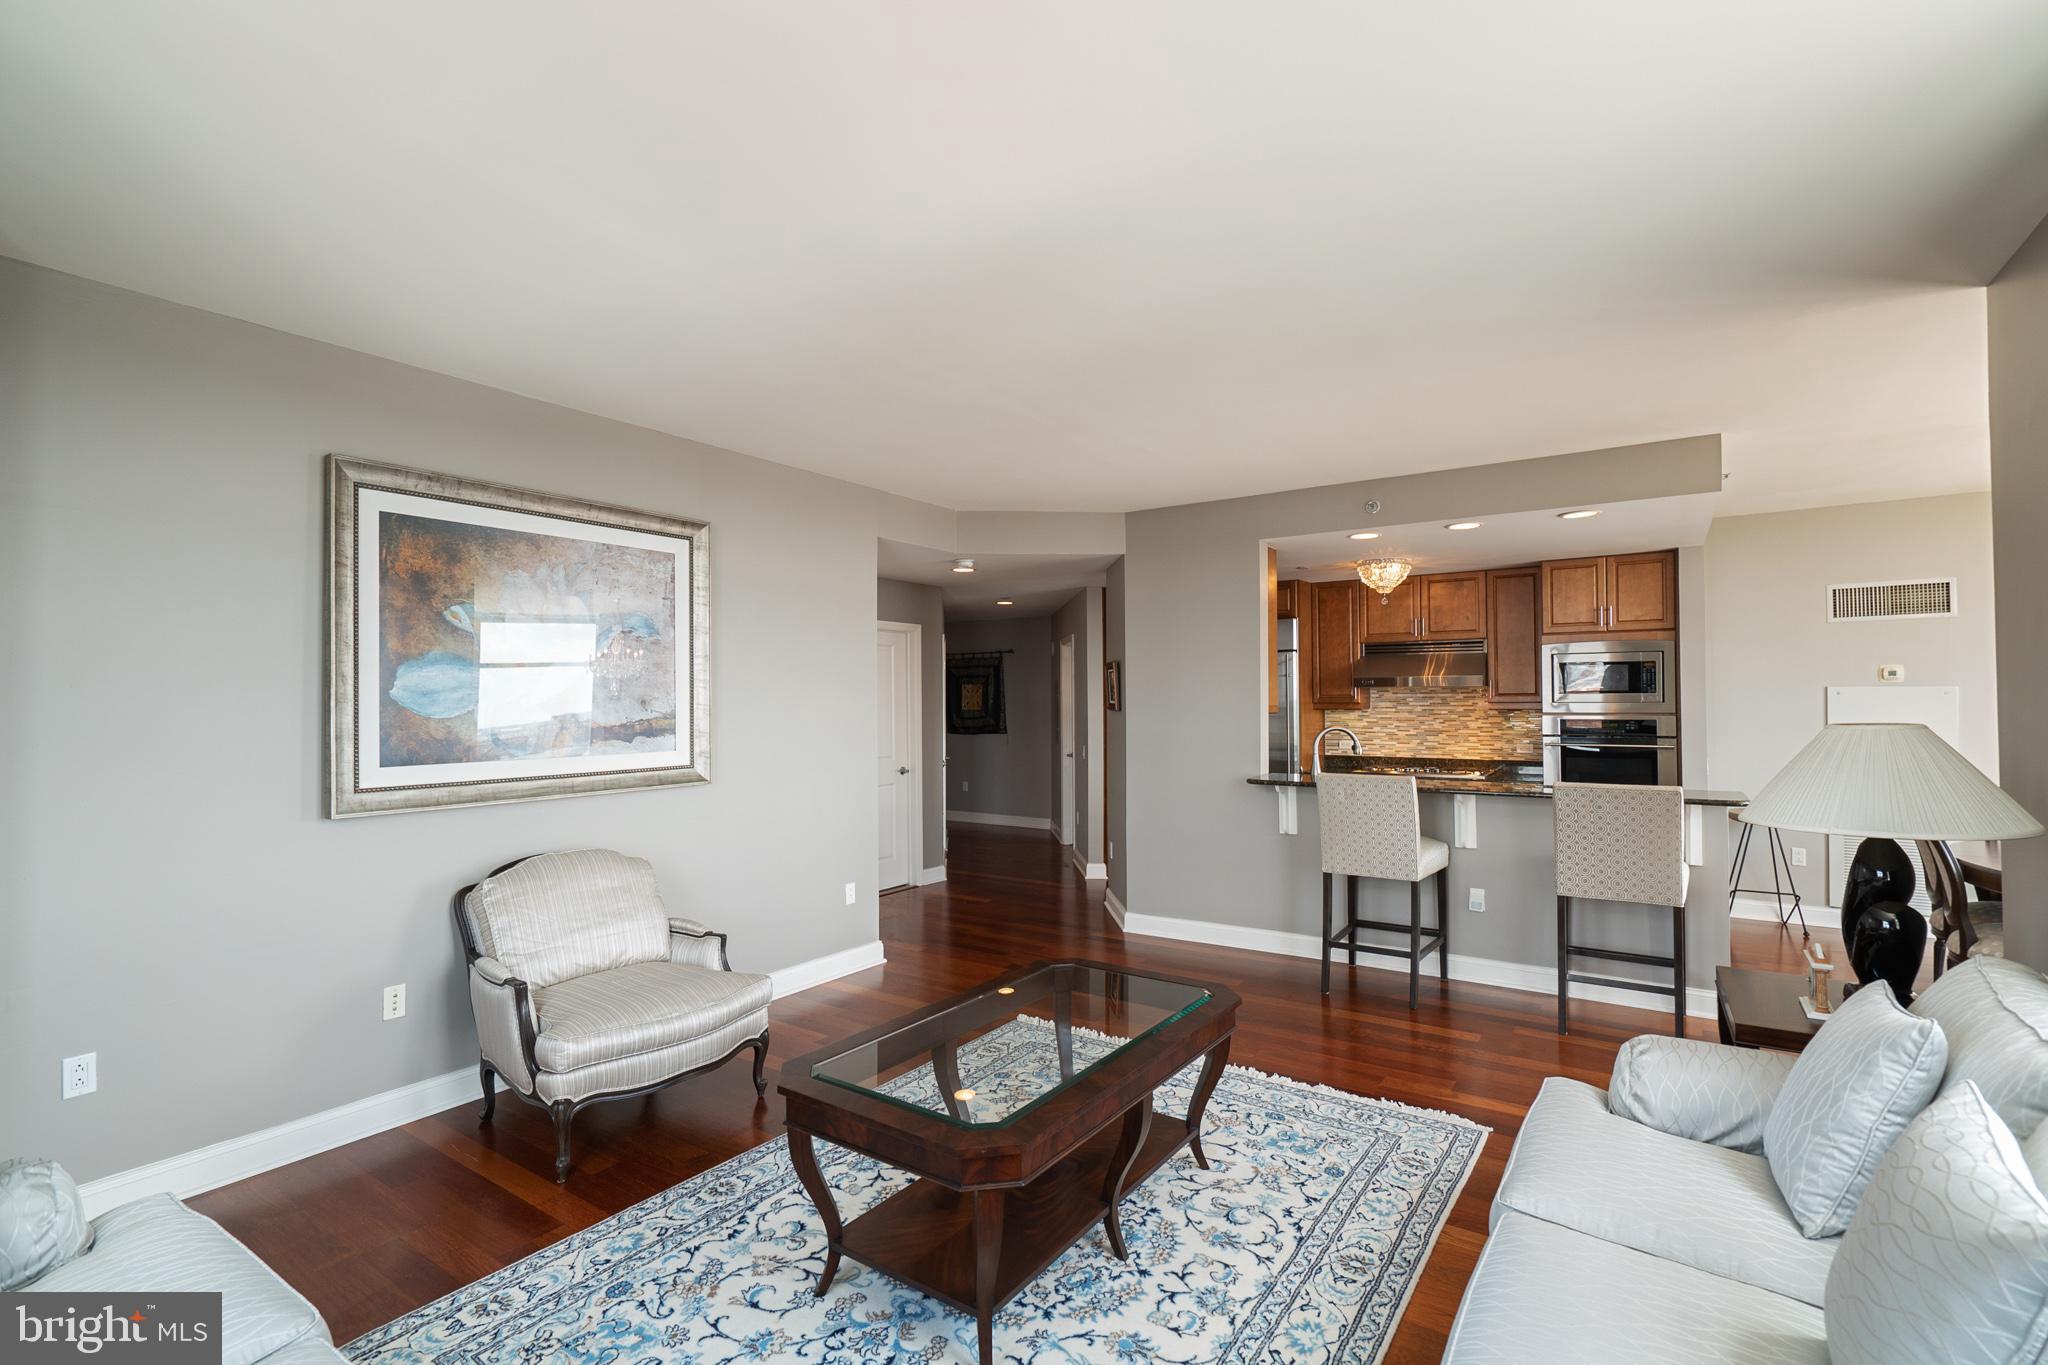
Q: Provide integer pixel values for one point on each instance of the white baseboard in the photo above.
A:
(1480, 971)
(1094, 872)
(1115, 908)
(804, 975)
(1766, 909)
(238, 1158)
(932, 875)
(975, 817)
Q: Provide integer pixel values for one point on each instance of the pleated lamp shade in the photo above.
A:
(1892, 781)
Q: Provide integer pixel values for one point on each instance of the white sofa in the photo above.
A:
(158, 1244)
(1614, 1241)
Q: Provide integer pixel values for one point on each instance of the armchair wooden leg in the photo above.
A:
(761, 1061)
(563, 1112)
(490, 1080)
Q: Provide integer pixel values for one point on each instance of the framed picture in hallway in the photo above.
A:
(1113, 685)
(974, 693)
(489, 644)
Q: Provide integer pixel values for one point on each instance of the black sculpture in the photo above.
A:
(1886, 937)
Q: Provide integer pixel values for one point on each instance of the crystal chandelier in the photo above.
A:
(1384, 575)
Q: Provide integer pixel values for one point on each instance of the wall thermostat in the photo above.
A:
(1890, 673)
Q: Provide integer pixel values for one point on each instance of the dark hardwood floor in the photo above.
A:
(376, 1228)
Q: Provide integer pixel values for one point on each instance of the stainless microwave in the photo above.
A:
(1613, 677)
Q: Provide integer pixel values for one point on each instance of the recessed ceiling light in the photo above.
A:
(963, 566)
(1005, 602)
(1365, 535)
(1462, 526)
(1579, 515)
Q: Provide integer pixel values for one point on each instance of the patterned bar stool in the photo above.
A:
(1620, 844)
(1372, 827)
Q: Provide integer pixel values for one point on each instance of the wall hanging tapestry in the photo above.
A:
(1302, 1244)
(974, 693)
(495, 644)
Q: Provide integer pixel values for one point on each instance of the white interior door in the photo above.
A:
(896, 754)
(1064, 824)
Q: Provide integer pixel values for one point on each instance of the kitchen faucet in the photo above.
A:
(1316, 747)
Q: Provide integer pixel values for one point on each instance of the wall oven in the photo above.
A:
(1630, 750)
(1609, 678)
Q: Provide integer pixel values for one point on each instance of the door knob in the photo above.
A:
(903, 772)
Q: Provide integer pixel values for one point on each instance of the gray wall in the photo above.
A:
(1202, 844)
(1772, 651)
(1081, 618)
(1115, 745)
(2019, 490)
(172, 898)
(1007, 774)
(920, 604)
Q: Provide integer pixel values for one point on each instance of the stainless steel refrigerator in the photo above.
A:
(1283, 727)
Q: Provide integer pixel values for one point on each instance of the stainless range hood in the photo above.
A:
(1433, 663)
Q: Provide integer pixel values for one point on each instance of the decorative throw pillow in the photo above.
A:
(42, 1221)
(1698, 1090)
(1868, 1072)
(1994, 1014)
(1947, 1258)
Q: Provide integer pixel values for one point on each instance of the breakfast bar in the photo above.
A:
(1500, 890)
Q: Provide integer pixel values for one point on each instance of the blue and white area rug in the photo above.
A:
(1302, 1243)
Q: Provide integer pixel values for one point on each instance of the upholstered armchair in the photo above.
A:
(584, 989)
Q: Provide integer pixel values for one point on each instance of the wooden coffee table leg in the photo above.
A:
(806, 1163)
(1212, 1072)
(1137, 1123)
(946, 1067)
(988, 1253)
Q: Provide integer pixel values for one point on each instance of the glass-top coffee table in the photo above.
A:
(1024, 1106)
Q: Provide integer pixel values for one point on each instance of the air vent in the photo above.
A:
(1891, 601)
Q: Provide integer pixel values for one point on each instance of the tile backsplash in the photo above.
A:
(1449, 722)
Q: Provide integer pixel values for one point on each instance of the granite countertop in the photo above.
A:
(1694, 796)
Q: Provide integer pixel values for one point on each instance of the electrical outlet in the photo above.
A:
(963, 784)
(394, 1001)
(1798, 856)
(81, 1075)
(851, 894)
(1476, 900)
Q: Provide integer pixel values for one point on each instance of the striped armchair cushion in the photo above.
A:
(564, 915)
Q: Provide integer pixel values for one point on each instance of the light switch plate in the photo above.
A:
(1798, 856)
(851, 894)
(1476, 901)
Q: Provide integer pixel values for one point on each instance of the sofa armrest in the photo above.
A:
(505, 1022)
(1707, 1092)
(693, 945)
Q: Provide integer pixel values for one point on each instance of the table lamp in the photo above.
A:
(1887, 783)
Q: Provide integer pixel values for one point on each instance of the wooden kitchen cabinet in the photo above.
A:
(1514, 670)
(1390, 621)
(1634, 594)
(1642, 593)
(1331, 643)
(1452, 606)
(1288, 598)
(1575, 596)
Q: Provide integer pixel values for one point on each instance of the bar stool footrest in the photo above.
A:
(1622, 982)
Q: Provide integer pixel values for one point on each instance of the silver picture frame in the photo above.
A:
(348, 481)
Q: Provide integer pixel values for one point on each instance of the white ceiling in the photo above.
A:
(1037, 585)
(1502, 541)
(1081, 256)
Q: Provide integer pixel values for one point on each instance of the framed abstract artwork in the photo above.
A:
(1113, 685)
(495, 644)
(974, 694)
